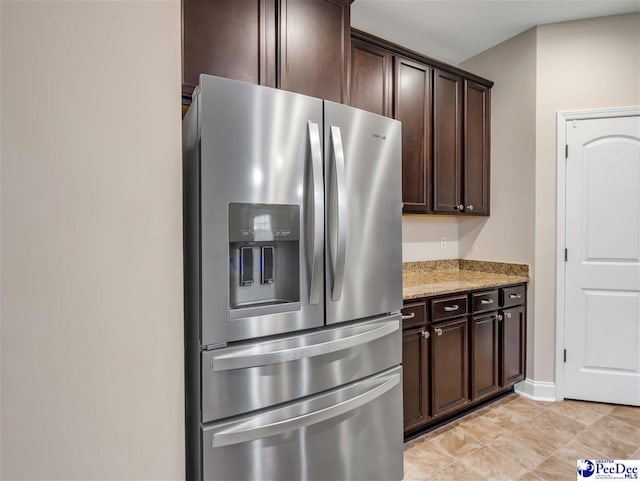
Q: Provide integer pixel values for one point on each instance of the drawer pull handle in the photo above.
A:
(486, 301)
(253, 429)
(250, 356)
(438, 331)
(515, 296)
(406, 317)
(455, 307)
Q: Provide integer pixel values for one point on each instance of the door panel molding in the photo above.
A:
(562, 119)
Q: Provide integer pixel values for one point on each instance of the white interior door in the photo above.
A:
(602, 296)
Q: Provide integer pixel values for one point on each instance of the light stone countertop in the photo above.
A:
(429, 278)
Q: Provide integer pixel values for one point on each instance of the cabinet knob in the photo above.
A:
(438, 331)
(507, 315)
(425, 334)
(470, 207)
(460, 207)
(499, 317)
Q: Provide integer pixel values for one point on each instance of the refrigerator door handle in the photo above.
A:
(243, 433)
(249, 357)
(338, 215)
(317, 214)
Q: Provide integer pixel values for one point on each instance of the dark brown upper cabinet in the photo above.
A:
(445, 119)
(477, 105)
(412, 106)
(314, 47)
(297, 45)
(461, 145)
(371, 77)
(229, 38)
(447, 143)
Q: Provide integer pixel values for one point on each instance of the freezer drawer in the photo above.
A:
(252, 376)
(350, 433)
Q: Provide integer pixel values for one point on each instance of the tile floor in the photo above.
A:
(519, 439)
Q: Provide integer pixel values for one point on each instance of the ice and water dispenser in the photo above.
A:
(264, 265)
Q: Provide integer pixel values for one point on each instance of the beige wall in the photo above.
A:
(91, 243)
(421, 237)
(1, 237)
(508, 234)
(586, 64)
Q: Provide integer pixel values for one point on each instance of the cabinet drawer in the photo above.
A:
(448, 307)
(414, 314)
(512, 296)
(484, 301)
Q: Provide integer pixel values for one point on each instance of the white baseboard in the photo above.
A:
(537, 390)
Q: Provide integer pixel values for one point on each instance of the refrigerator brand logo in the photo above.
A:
(379, 136)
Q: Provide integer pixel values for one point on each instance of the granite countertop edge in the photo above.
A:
(434, 289)
(431, 278)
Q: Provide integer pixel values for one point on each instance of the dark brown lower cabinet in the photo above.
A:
(513, 345)
(452, 365)
(485, 346)
(415, 372)
(449, 366)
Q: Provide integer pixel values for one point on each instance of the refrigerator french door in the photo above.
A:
(261, 196)
(364, 220)
(292, 211)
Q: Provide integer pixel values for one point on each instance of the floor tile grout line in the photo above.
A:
(518, 411)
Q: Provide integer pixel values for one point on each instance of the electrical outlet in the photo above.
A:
(443, 242)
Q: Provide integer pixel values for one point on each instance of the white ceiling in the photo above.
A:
(456, 30)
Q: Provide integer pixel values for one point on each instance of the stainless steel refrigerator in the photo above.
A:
(293, 287)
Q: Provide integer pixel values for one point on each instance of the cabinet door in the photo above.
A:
(415, 380)
(412, 106)
(484, 355)
(228, 38)
(477, 103)
(513, 345)
(449, 366)
(314, 39)
(447, 138)
(370, 77)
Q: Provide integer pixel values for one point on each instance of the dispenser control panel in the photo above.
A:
(264, 264)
